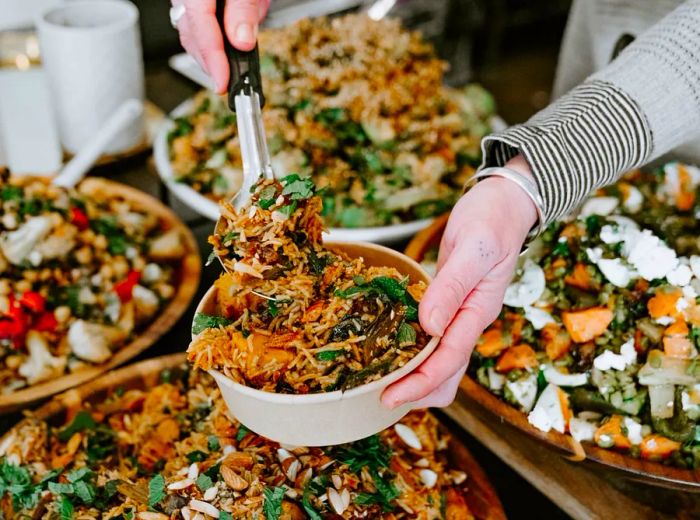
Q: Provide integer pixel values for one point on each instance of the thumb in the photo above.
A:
(241, 22)
(464, 268)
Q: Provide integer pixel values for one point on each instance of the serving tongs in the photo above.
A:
(245, 98)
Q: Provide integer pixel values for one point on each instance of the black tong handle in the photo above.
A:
(244, 66)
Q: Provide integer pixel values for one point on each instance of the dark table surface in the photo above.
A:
(167, 89)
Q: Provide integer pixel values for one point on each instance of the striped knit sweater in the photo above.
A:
(642, 104)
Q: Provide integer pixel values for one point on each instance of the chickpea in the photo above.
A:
(106, 272)
(23, 286)
(100, 242)
(62, 313)
(4, 305)
(84, 255)
(45, 274)
(139, 263)
(31, 275)
(165, 290)
(13, 362)
(120, 267)
(5, 287)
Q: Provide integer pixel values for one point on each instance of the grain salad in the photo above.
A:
(172, 451)
(81, 272)
(357, 105)
(600, 331)
(293, 316)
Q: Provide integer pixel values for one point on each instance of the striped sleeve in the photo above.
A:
(583, 141)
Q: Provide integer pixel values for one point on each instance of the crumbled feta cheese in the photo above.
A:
(628, 351)
(689, 292)
(538, 317)
(528, 289)
(634, 200)
(680, 276)
(595, 254)
(634, 430)
(496, 380)
(664, 320)
(553, 376)
(616, 272)
(608, 360)
(649, 255)
(599, 206)
(581, 430)
(682, 304)
(548, 413)
(612, 234)
(695, 265)
(524, 391)
(626, 223)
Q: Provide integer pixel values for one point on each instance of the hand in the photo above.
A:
(201, 36)
(478, 254)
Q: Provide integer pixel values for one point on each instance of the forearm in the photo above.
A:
(641, 106)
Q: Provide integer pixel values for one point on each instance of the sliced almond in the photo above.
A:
(429, 477)
(408, 436)
(337, 481)
(210, 494)
(181, 484)
(186, 513)
(336, 501)
(291, 467)
(303, 478)
(193, 472)
(283, 454)
(422, 463)
(233, 479)
(345, 495)
(204, 507)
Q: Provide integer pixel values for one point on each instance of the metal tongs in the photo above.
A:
(245, 98)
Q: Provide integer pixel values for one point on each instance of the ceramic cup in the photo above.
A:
(91, 50)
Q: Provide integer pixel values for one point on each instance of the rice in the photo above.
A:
(300, 318)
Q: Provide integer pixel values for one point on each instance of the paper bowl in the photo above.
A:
(209, 208)
(323, 419)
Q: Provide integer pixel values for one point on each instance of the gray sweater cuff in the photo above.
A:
(583, 141)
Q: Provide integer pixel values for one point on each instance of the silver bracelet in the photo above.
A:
(524, 183)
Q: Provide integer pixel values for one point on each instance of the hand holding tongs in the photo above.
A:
(245, 98)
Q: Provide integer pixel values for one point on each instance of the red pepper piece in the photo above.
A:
(46, 322)
(8, 329)
(33, 301)
(125, 288)
(79, 219)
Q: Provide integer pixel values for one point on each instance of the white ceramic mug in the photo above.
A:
(91, 50)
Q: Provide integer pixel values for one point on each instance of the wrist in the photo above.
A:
(517, 206)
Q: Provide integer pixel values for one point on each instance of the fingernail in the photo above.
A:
(437, 321)
(244, 33)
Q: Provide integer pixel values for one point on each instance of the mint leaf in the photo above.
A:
(196, 456)
(65, 509)
(213, 443)
(242, 432)
(58, 488)
(225, 515)
(207, 321)
(272, 506)
(406, 335)
(289, 209)
(299, 189)
(86, 492)
(156, 490)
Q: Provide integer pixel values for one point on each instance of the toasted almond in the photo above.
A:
(429, 477)
(193, 472)
(336, 501)
(345, 495)
(337, 481)
(210, 494)
(186, 513)
(181, 484)
(204, 507)
(291, 467)
(303, 478)
(422, 463)
(238, 459)
(283, 454)
(233, 479)
(458, 477)
(149, 515)
(408, 436)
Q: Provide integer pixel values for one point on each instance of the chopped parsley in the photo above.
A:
(242, 432)
(272, 506)
(329, 355)
(207, 321)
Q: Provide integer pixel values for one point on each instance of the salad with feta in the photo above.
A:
(600, 330)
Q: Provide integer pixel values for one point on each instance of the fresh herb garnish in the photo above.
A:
(11, 193)
(81, 422)
(242, 432)
(213, 443)
(204, 482)
(16, 481)
(384, 496)
(207, 321)
(406, 335)
(156, 490)
(329, 355)
(196, 456)
(65, 509)
(225, 515)
(288, 209)
(297, 188)
(369, 452)
(272, 506)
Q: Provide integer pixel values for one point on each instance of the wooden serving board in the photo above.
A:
(584, 490)
(186, 284)
(481, 497)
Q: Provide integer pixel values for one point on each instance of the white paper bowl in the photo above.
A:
(323, 419)
(210, 209)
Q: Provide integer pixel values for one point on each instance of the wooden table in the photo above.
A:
(584, 490)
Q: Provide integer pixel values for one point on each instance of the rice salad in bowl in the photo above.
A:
(357, 105)
(171, 450)
(600, 330)
(294, 316)
(83, 272)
